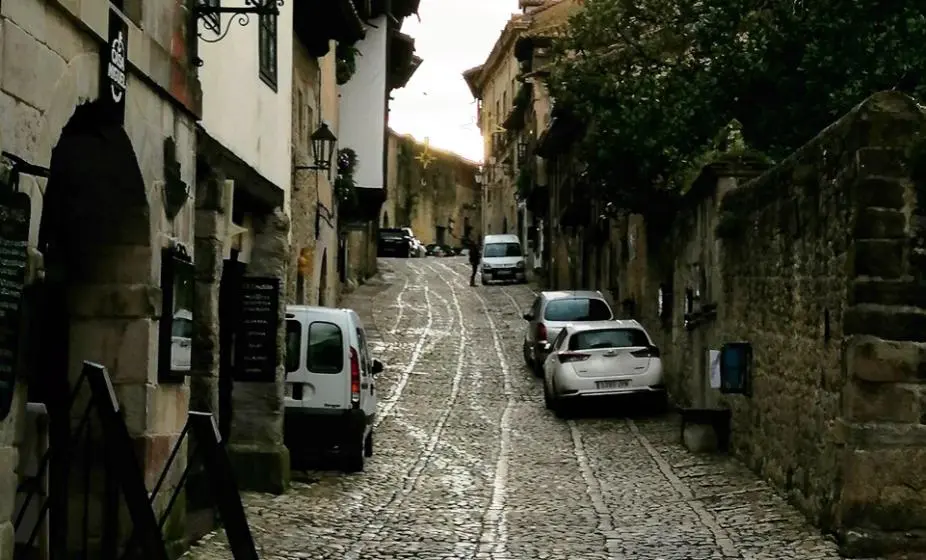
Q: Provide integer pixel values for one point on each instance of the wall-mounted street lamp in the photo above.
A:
(323, 145)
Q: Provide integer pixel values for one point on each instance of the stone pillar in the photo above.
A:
(210, 238)
(259, 457)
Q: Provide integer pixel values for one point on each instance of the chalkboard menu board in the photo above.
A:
(15, 213)
(256, 336)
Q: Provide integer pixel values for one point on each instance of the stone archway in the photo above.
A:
(323, 281)
(99, 303)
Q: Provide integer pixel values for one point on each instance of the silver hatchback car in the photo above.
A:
(550, 312)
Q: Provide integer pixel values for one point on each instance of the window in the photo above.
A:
(365, 362)
(502, 250)
(293, 345)
(325, 353)
(300, 108)
(608, 338)
(577, 309)
(505, 100)
(267, 46)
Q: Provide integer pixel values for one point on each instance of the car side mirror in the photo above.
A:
(377, 367)
(528, 317)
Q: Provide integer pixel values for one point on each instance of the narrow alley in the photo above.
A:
(468, 463)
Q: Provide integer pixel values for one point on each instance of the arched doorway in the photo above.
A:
(505, 224)
(97, 301)
(323, 281)
(385, 219)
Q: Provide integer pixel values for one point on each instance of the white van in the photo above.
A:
(502, 259)
(330, 389)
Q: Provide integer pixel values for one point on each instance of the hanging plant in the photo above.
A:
(344, 183)
(345, 63)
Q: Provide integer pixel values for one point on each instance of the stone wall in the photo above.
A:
(314, 242)
(815, 264)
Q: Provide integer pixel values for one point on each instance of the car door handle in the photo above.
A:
(610, 354)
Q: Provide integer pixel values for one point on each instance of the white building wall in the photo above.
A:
(240, 110)
(363, 107)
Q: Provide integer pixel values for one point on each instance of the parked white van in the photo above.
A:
(502, 259)
(330, 389)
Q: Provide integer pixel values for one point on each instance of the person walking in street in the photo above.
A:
(475, 253)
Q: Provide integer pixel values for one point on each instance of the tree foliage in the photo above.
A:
(654, 80)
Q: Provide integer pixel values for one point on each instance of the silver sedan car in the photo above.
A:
(553, 310)
(603, 359)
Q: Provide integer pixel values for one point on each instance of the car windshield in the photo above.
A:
(577, 309)
(608, 338)
(502, 250)
(391, 234)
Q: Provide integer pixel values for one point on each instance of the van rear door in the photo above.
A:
(322, 380)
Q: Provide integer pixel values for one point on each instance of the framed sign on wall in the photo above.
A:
(175, 336)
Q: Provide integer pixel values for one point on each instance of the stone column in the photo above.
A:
(259, 457)
(210, 238)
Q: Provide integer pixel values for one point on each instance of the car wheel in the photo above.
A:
(547, 398)
(527, 357)
(368, 445)
(484, 281)
(353, 458)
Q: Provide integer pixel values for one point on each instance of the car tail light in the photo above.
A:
(567, 357)
(354, 377)
(650, 352)
(541, 332)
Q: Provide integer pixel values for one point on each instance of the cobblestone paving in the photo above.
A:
(469, 464)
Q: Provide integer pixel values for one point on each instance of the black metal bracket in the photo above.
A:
(209, 14)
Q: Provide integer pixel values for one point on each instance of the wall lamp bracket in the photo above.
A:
(209, 14)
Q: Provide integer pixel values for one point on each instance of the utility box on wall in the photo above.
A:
(736, 368)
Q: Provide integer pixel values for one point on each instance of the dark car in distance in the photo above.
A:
(395, 242)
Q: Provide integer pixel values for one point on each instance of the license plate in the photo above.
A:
(620, 383)
(503, 272)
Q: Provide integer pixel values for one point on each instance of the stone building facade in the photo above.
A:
(494, 84)
(99, 222)
(317, 260)
(440, 200)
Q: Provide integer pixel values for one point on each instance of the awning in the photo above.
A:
(364, 206)
(317, 22)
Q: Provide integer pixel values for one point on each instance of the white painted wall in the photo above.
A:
(363, 107)
(241, 111)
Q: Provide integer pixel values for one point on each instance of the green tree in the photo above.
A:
(654, 80)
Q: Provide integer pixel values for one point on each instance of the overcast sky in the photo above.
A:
(453, 35)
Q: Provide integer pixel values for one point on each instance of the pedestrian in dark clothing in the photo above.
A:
(475, 254)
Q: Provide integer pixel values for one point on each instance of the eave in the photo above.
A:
(399, 9)
(365, 207)
(401, 60)
(471, 77)
(318, 22)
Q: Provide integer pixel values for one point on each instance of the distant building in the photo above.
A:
(434, 192)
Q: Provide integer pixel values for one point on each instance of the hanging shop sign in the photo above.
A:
(15, 214)
(113, 69)
(256, 336)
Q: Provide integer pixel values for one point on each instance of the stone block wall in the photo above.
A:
(818, 264)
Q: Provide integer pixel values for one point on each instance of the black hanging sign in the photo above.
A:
(256, 336)
(15, 214)
(113, 71)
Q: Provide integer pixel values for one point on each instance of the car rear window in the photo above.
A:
(293, 344)
(577, 309)
(502, 250)
(325, 353)
(608, 338)
(391, 234)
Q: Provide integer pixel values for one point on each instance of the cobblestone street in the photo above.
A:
(469, 464)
